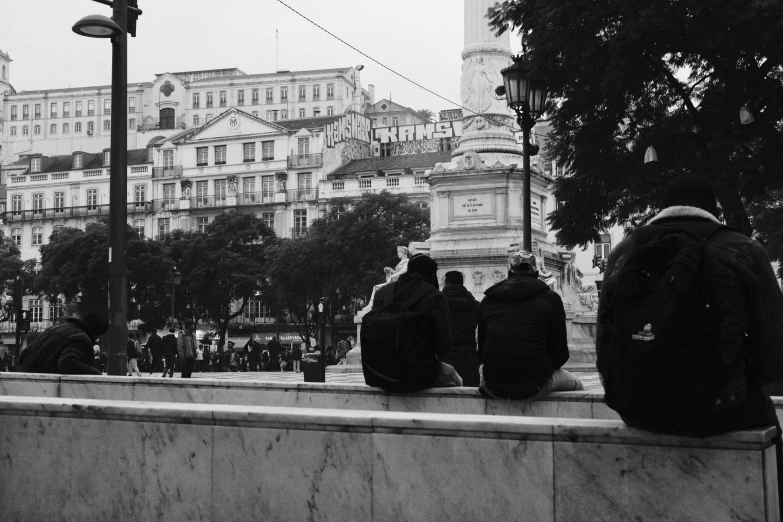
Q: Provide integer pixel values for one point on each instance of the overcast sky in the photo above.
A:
(421, 39)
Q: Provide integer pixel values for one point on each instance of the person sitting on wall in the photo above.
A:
(66, 348)
(463, 318)
(522, 340)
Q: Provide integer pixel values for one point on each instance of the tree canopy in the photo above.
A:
(625, 75)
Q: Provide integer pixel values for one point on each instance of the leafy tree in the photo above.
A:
(10, 258)
(427, 114)
(629, 74)
(220, 268)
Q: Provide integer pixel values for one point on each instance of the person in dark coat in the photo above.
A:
(66, 348)
(430, 372)
(274, 348)
(169, 351)
(463, 318)
(155, 346)
(522, 339)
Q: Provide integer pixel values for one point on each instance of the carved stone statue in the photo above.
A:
(587, 293)
(232, 182)
(392, 274)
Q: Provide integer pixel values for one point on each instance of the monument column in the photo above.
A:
(488, 122)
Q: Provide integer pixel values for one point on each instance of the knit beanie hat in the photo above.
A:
(521, 262)
(426, 266)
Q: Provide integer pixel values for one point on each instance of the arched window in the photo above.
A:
(138, 225)
(167, 118)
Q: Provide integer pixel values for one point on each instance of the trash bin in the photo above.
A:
(311, 370)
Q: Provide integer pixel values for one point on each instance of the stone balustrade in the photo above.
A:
(82, 459)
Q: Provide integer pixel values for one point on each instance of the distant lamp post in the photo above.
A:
(176, 280)
(650, 156)
(117, 28)
(527, 98)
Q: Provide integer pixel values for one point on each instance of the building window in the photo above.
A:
(395, 121)
(77, 161)
(220, 154)
(270, 95)
(92, 199)
(329, 91)
(202, 223)
(255, 113)
(267, 187)
(66, 128)
(267, 150)
(284, 114)
(138, 226)
(13, 131)
(38, 203)
(78, 108)
(603, 248)
(209, 100)
(269, 219)
(330, 111)
(283, 94)
(37, 111)
(301, 113)
(168, 158)
(302, 93)
(13, 112)
(300, 222)
(66, 109)
(131, 105)
(316, 92)
(52, 109)
(222, 98)
(59, 201)
(202, 156)
(220, 191)
(316, 112)
(107, 125)
(169, 193)
(240, 97)
(196, 100)
(131, 123)
(384, 121)
(90, 107)
(53, 128)
(164, 226)
(271, 115)
(386, 150)
(35, 165)
(90, 127)
(305, 181)
(36, 310)
(16, 236)
(25, 130)
(25, 112)
(209, 118)
(16, 204)
(106, 158)
(77, 127)
(201, 193)
(37, 236)
(196, 120)
(140, 195)
(249, 189)
(249, 151)
(303, 146)
(254, 96)
(107, 106)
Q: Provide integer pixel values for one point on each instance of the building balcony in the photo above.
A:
(303, 194)
(207, 202)
(166, 204)
(255, 198)
(298, 232)
(174, 171)
(306, 161)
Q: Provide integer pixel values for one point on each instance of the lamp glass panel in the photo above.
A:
(97, 30)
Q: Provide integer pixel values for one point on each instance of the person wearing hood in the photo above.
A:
(522, 340)
(66, 348)
(463, 318)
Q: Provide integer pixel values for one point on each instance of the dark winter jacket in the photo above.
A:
(155, 345)
(169, 344)
(521, 335)
(463, 317)
(742, 289)
(436, 307)
(131, 350)
(65, 348)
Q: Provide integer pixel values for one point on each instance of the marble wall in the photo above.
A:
(81, 459)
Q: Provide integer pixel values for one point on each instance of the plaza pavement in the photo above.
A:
(591, 380)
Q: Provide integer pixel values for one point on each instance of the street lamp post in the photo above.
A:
(116, 28)
(527, 98)
(176, 280)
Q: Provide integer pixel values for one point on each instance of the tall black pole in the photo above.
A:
(527, 239)
(118, 186)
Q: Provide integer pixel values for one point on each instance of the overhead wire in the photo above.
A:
(513, 128)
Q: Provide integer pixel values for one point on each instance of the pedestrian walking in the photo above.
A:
(169, 351)
(133, 353)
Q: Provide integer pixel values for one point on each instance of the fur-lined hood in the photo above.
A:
(680, 212)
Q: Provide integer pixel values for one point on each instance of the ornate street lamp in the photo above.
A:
(122, 23)
(527, 98)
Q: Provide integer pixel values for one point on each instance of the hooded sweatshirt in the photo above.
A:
(463, 316)
(521, 333)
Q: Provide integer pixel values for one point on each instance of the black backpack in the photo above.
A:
(392, 338)
(658, 353)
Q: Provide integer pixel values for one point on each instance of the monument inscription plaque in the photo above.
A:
(472, 205)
